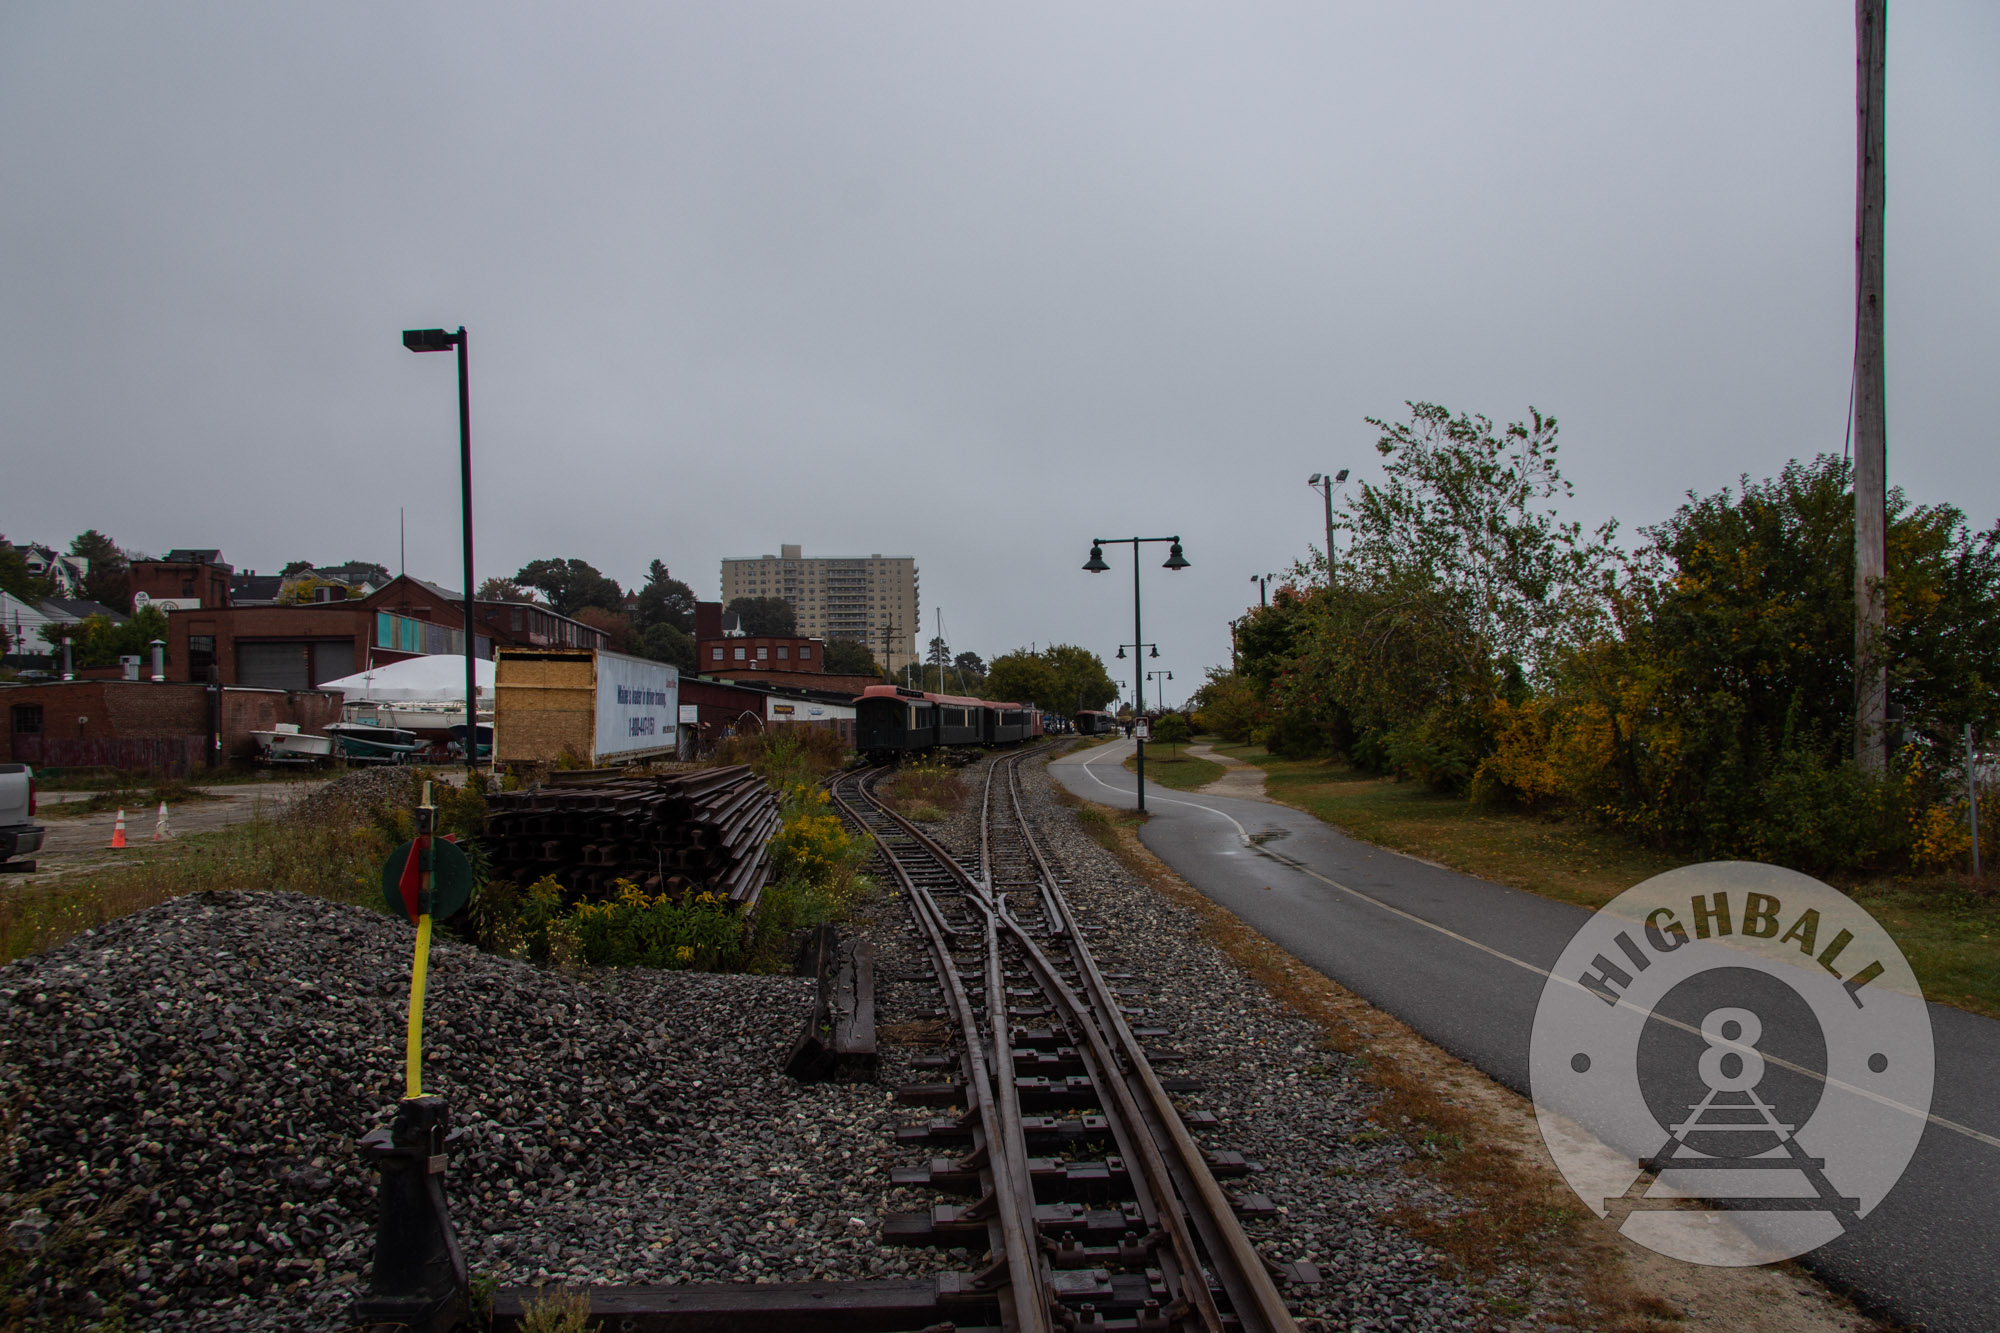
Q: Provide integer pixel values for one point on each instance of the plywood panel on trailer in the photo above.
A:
(543, 704)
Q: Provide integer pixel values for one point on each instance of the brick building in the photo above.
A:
(300, 647)
(718, 649)
(165, 727)
(798, 661)
(184, 578)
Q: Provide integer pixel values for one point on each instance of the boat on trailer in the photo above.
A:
(365, 743)
(286, 744)
(485, 740)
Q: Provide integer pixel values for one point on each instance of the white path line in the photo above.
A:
(1304, 869)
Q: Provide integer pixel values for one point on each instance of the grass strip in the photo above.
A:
(1182, 772)
(1946, 927)
(340, 863)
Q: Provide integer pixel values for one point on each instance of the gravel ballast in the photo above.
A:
(211, 1062)
(207, 1066)
(1284, 1100)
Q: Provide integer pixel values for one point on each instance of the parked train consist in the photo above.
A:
(1092, 722)
(890, 721)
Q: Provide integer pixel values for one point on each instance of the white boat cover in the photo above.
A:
(437, 678)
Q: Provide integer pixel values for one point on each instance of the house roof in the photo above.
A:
(248, 588)
(78, 609)
(186, 556)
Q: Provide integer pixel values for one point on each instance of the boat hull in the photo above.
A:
(293, 747)
(373, 745)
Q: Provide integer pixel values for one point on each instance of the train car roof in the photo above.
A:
(954, 700)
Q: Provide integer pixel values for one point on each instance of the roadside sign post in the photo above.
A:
(419, 1278)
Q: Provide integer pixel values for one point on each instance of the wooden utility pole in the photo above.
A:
(1871, 686)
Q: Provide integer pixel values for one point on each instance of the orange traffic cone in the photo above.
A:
(160, 830)
(118, 830)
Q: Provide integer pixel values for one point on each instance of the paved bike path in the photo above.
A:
(1462, 961)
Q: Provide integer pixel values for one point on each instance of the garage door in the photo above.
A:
(293, 664)
(275, 666)
(332, 660)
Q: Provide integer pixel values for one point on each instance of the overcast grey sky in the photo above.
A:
(972, 284)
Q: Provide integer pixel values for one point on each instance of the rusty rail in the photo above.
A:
(1190, 1227)
(1140, 1238)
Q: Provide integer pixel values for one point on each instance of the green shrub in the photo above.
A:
(631, 928)
(787, 754)
(815, 872)
(700, 932)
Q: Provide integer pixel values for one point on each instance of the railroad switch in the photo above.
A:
(419, 1280)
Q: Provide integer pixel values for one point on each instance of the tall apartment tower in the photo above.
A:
(869, 600)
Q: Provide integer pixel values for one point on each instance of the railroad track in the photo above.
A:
(1109, 1217)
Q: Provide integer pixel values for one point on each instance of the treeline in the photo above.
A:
(656, 620)
(1696, 689)
(1061, 678)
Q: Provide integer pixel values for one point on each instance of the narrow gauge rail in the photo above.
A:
(1163, 1250)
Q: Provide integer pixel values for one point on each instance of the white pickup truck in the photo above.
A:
(19, 834)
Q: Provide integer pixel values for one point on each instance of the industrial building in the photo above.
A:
(870, 600)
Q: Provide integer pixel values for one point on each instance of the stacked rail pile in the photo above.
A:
(678, 834)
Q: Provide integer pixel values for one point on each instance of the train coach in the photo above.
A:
(890, 721)
(1092, 722)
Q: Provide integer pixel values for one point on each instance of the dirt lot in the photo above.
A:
(80, 842)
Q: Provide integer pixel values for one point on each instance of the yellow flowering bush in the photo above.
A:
(701, 931)
(631, 928)
(811, 843)
(1939, 836)
(815, 870)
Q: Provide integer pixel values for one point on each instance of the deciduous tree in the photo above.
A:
(664, 643)
(569, 585)
(617, 626)
(845, 658)
(504, 590)
(1061, 678)
(768, 616)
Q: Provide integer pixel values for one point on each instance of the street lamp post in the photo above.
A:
(1139, 654)
(1161, 676)
(1262, 581)
(1096, 565)
(437, 340)
(1325, 485)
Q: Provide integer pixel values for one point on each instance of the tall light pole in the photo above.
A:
(1262, 581)
(437, 340)
(1325, 485)
(1096, 565)
(1157, 676)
